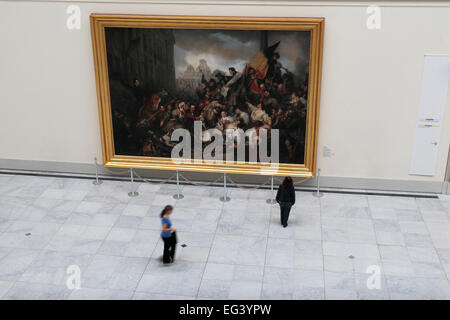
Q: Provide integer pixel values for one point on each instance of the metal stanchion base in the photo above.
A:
(317, 195)
(133, 194)
(225, 199)
(95, 182)
(178, 196)
(271, 201)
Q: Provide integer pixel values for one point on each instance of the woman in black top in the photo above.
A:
(286, 199)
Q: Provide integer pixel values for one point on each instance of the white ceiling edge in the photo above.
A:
(318, 3)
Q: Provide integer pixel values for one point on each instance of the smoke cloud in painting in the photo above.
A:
(222, 49)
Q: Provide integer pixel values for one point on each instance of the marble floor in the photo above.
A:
(339, 246)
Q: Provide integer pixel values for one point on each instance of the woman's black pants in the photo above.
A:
(170, 244)
(285, 208)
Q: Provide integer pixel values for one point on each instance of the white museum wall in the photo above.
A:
(370, 83)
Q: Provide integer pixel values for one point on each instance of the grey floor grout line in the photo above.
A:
(40, 251)
(150, 257)
(381, 258)
(323, 253)
(21, 274)
(265, 252)
(358, 295)
(209, 252)
(222, 207)
(94, 255)
(446, 274)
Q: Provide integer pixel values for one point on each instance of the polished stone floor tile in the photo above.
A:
(137, 210)
(339, 281)
(15, 262)
(50, 267)
(217, 289)
(391, 202)
(121, 234)
(182, 278)
(411, 288)
(340, 294)
(245, 290)
(113, 248)
(337, 264)
(100, 294)
(332, 248)
(37, 291)
(157, 296)
(11, 207)
(341, 249)
(249, 224)
(238, 250)
(113, 272)
(390, 238)
(283, 283)
(128, 222)
(4, 287)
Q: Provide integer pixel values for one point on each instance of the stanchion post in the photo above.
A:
(225, 198)
(317, 192)
(178, 195)
(133, 192)
(97, 181)
(271, 200)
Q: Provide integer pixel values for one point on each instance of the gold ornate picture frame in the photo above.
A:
(315, 27)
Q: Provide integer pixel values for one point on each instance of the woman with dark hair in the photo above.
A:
(168, 235)
(286, 199)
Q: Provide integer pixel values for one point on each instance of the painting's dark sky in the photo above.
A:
(223, 48)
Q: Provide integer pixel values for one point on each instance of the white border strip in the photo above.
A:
(284, 3)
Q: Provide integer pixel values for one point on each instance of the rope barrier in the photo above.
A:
(295, 183)
(249, 188)
(200, 184)
(114, 172)
(152, 182)
(301, 181)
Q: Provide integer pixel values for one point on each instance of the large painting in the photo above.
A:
(209, 93)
